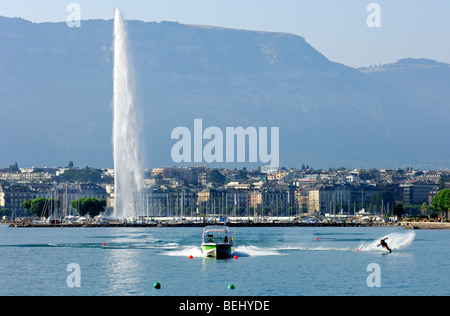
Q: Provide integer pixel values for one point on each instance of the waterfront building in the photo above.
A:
(170, 202)
(223, 202)
(212, 202)
(2, 197)
(29, 175)
(361, 194)
(271, 202)
(12, 198)
(192, 175)
(71, 192)
(416, 193)
(325, 199)
(301, 198)
(237, 202)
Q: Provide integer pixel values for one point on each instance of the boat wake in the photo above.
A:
(240, 251)
(396, 241)
(253, 251)
(108, 245)
(318, 248)
(186, 251)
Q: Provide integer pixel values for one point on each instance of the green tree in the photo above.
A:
(424, 208)
(441, 202)
(398, 210)
(84, 175)
(5, 212)
(240, 211)
(216, 177)
(382, 196)
(90, 206)
(41, 207)
(442, 181)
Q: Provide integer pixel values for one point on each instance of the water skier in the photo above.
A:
(384, 244)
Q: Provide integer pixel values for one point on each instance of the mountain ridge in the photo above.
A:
(56, 92)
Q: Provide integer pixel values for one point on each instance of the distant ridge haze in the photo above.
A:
(56, 94)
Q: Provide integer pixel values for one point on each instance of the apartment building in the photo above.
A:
(327, 198)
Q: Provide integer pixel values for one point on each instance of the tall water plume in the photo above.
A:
(127, 159)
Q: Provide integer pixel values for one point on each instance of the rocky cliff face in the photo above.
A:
(56, 94)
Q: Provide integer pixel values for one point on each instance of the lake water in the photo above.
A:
(294, 261)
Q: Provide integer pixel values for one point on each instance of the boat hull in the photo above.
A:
(220, 251)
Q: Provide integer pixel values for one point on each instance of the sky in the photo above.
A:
(339, 29)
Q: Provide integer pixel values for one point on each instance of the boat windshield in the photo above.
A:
(216, 237)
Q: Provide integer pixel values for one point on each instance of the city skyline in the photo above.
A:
(285, 193)
(309, 166)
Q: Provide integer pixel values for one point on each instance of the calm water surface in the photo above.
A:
(290, 261)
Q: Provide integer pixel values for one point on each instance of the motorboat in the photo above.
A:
(216, 242)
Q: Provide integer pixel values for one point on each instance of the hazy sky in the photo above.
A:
(337, 28)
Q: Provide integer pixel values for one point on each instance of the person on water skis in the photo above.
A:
(384, 244)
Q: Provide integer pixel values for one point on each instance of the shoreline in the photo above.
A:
(168, 225)
(406, 225)
(425, 225)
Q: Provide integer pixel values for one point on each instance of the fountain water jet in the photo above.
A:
(127, 160)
